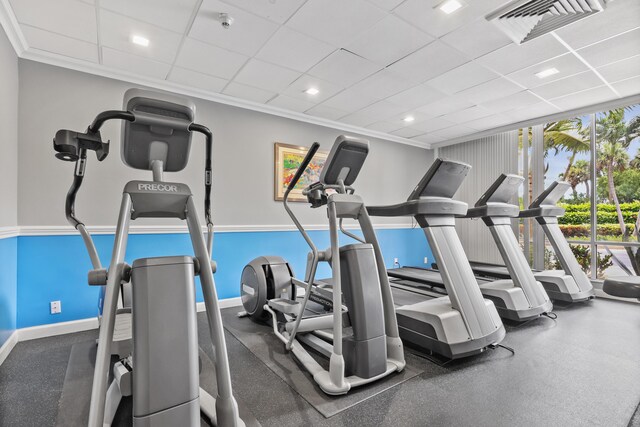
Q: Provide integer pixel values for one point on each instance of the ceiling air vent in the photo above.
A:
(524, 20)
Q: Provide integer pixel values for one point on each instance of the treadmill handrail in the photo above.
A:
(422, 206)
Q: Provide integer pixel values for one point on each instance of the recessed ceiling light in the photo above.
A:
(312, 91)
(546, 73)
(140, 41)
(450, 6)
(408, 119)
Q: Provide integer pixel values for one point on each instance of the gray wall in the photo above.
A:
(52, 98)
(8, 133)
(489, 157)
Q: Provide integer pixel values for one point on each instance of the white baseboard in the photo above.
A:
(224, 303)
(8, 346)
(43, 331)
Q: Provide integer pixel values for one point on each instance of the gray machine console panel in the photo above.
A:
(443, 179)
(158, 199)
(431, 206)
(545, 204)
(345, 160)
(495, 202)
(160, 130)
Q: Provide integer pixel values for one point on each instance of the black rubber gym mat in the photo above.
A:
(261, 341)
(73, 407)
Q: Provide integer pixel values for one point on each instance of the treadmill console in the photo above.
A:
(443, 179)
(545, 205)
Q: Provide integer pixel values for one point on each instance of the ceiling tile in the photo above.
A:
(628, 87)
(434, 124)
(453, 132)
(61, 45)
(267, 76)
(67, 17)
(446, 105)
(428, 62)
(515, 57)
(116, 32)
(208, 59)
(530, 112)
(386, 4)
(477, 38)
(359, 119)
(383, 109)
(490, 90)
(462, 77)
(289, 103)
(619, 16)
(621, 70)
(247, 34)
(517, 100)
(407, 132)
(569, 85)
(468, 114)
(490, 122)
(336, 22)
(173, 15)
(383, 84)
(134, 64)
(425, 15)
(195, 79)
(297, 89)
(388, 40)
(327, 112)
(247, 92)
(427, 138)
(399, 121)
(277, 11)
(384, 126)
(343, 68)
(294, 50)
(615, 49)
(417, 96)
(584, 98)
(567, 65)
(351, 100)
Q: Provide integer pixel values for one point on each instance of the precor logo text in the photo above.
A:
(158, 187)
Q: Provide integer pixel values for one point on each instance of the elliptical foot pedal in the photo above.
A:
(285, 306)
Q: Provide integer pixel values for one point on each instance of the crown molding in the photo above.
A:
(103, 71)
(11, 27)
(601, 106)
(14, 33)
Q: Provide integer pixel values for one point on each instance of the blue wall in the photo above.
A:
(8, 287)
(55, 267)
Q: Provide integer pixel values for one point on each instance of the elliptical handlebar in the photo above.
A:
(303, 166)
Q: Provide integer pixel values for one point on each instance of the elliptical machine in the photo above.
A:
(162, 372)
(360, 338)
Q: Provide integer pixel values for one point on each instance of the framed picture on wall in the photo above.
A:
(287, 160)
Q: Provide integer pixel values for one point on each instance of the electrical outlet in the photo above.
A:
(56, 307)
(395, 260)
(426, 260)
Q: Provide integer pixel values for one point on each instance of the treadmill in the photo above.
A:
(570, 284)
(519, 297)
(461, 323)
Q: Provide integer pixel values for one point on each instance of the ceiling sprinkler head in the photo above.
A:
(225, 20)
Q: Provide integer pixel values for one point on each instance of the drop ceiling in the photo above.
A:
(375, 63)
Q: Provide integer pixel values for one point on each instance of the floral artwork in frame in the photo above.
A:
(287, 160)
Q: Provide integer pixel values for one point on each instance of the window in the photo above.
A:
(599, 156)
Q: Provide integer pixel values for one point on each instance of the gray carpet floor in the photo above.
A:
(583, 370)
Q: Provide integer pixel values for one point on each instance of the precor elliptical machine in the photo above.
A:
(162, 373)
(360, 338)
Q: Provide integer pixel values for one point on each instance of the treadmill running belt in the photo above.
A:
(490, 270)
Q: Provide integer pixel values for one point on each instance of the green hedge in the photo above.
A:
(576, 218)
(584, 230)
(601, 207)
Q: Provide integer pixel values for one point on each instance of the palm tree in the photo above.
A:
(578, 174)
(566, 135)
(614, 136)
(635, 162)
